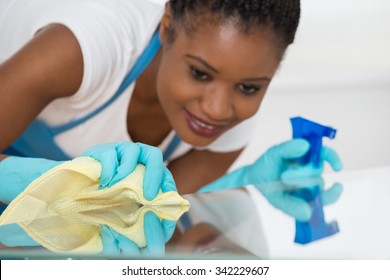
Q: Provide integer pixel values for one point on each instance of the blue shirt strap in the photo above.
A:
(171, 147)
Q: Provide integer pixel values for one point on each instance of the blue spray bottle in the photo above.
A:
(316, 228)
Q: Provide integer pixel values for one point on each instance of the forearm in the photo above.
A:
(237, 178)
(3, 157)
(199, 168)
(16, 173)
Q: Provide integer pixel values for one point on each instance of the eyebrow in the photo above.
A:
(202, 61)
(199, 59)
(254, 79)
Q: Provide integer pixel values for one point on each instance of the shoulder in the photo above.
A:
(111, 35)
(102, 20)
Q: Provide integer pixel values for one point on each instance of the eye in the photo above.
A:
(249, 89)
(199, 75)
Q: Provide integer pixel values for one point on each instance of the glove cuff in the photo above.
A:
(16, 173)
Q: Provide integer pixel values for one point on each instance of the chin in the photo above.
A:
(196, 140)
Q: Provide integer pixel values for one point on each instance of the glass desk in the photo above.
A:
(242, 223)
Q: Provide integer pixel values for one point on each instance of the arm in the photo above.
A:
(2, 157)
(49, 66)
(198, 168)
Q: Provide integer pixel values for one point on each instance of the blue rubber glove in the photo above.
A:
(120, 159)
(275, 173)
(16, 173)
(12, 235)
(305, 176)
(157, 234)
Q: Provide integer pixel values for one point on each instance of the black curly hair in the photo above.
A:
(280, 16)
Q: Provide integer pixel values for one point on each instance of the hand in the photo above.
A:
(17, 173)
(157, 234)
(271, 166)
(277, 164)
(276, 174)
(295, 177)
(119, 159)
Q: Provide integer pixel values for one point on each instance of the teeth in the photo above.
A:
(204, 125)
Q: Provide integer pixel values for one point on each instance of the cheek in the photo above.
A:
(167, 84)
(248, 106)
(173, 86)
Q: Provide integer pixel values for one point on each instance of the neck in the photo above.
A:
(146, 120)
(145, 88)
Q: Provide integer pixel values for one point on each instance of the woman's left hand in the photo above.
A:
(120, 159)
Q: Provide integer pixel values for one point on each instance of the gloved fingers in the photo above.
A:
(331, 156)
(291, 205)
(115, 243)
(127, 246)
(154, 235)
(305, 176)
(109, 162)
(268, 188)
(168, 183)
(168, 229)
(152, 158)
(127, 154)
(291, 149)
(109, 241)
(297, 172)
(332, 194)
(107, 157)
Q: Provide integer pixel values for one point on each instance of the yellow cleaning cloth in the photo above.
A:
(63, 209)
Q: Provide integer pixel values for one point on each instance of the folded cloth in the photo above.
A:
(63, 209)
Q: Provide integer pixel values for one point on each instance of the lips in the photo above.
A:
(201, 127)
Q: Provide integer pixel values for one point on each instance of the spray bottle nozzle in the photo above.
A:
(312, 132)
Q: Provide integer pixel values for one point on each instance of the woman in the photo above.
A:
(187, 78)
(61, 60)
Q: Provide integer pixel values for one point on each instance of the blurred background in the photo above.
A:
(337, 73)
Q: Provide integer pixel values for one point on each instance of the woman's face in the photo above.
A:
(213, 79)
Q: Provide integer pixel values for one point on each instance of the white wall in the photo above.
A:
(337, 73)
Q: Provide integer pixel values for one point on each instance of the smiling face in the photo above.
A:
(213, 78)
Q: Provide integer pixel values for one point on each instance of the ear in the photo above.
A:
(166, 23)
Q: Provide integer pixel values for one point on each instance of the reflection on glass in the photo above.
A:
(316, 228)
(205, 239)
(304, 200)
(124, 229)
(223, 224)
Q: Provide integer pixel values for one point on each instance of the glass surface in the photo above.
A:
(252, 222)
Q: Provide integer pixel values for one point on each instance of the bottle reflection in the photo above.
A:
(304, 200)
(316, 228)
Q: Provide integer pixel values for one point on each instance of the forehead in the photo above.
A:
(226, 45)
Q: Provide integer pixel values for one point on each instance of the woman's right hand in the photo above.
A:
(120, 159)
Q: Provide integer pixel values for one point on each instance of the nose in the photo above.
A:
(217, 103)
